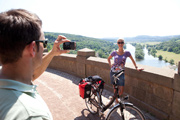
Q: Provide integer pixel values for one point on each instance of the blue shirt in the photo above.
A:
(19, 101)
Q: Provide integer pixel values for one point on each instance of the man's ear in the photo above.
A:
(32, 49)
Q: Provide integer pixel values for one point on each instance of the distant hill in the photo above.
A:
(145, 38)
(114, 40)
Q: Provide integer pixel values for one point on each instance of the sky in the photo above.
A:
(104, 18)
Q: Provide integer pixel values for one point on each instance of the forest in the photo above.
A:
(173, 45)
(102, 47)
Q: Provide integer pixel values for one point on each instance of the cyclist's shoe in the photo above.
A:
(125, 97)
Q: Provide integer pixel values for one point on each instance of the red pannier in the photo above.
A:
(84, 89)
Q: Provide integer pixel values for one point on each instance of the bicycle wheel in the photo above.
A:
(91, 103)
(130, 113)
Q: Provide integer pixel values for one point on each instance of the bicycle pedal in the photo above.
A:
(126, 98)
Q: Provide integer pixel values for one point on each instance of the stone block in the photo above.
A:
(176, 84)
(86, 52)
(179, 68)
(132, 81)
(144, 85)
(81, 70)
(176, 104)
(81, 59)
(139, 94)
(128, 89)
(152, 74)
(98, 62)
(158, 103)
(148, 108)
(172, 117)
(163, 92)
(89, 70)
(64, 65)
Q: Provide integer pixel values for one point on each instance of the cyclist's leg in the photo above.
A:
(121, 90)
(112, 79)
(121, 84)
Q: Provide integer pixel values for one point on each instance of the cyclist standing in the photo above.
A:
(119, 63)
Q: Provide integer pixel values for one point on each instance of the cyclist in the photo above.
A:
(120, 56)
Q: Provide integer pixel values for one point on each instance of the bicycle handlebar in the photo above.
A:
(116, 75)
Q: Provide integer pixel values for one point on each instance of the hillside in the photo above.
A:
(102, 47)
(145, 38)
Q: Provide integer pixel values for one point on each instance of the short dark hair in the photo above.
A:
(18, 27)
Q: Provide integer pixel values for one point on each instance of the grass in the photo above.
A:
(169, 56)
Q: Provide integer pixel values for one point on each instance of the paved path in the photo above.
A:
(61, 93)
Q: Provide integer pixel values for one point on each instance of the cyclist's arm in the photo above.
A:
(139, 69)
(109, 60)
(132, 59)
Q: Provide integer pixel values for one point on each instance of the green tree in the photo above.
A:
(171, 61)
(160, 57)
(139, 53)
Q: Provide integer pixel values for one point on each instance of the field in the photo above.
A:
(169, 56)
(144, 43)
(152, 43)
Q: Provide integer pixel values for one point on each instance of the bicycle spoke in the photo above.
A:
(89, 103)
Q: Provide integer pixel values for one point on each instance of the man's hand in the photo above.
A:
(56, 50)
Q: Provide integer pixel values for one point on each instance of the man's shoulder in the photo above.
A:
(15, 103)
(10, 105)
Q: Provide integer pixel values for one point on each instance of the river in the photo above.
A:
(148, 59)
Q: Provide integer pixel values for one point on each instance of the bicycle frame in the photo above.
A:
(122, 105)
(100, 103)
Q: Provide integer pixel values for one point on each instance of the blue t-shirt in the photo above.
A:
(119, 60)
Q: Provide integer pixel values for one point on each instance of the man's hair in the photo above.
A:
(18, 28)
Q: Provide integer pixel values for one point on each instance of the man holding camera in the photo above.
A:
(21, 54)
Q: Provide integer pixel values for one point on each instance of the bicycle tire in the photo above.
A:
(91, 107)
(130, 112)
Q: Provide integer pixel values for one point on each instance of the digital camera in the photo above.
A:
(69, 45)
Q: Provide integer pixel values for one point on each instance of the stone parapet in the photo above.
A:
(179, 68)
(155, 90)
(86, 52)
(65, 62)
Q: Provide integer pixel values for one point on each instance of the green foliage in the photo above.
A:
(172, 45)
(139, 53)
(165, 60)
(102, 47)
(171, 61)
(160, 57)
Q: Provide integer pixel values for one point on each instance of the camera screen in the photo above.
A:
(69, 46)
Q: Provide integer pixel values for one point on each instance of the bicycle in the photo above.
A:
(122, 111)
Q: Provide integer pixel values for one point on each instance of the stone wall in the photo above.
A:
(154, 90)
